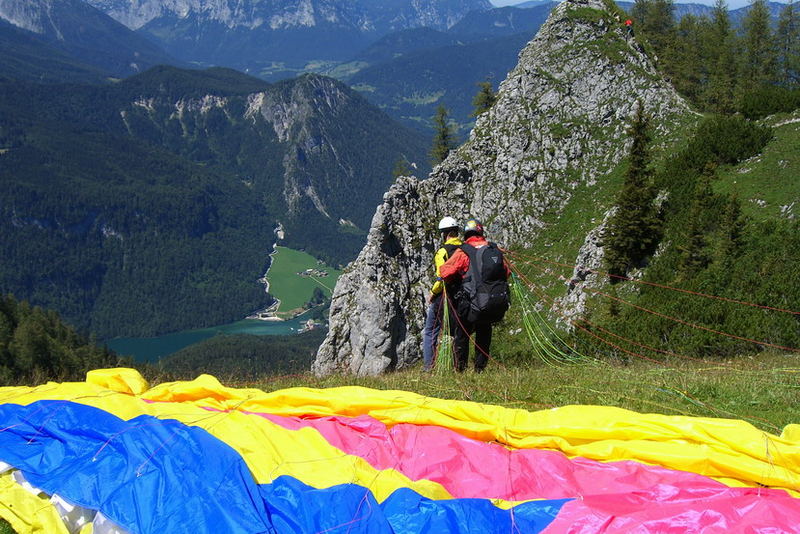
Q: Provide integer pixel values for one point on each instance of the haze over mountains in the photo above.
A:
(405, 57)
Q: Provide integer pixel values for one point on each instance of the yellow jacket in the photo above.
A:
(439, 258)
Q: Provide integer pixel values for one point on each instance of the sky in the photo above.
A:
(732, 4)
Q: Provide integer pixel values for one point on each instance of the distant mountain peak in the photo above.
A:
(85, 33)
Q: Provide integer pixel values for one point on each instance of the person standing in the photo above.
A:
(483, 297)
(448, 227)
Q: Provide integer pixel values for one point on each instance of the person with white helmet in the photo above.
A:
(448, 227)
(478, 275)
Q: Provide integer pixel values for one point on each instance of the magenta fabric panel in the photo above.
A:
(470, 468)
(741, 510)
(622, 496)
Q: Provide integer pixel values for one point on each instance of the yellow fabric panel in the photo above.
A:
(268, 449)
(27, 513)
(119, 379)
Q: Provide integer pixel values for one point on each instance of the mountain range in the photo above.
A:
(150, 205)
(251, 35)
(405, 57)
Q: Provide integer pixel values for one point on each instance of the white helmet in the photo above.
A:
(448, 223)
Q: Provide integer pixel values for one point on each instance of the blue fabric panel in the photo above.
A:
(146, 474)
(159, 476)
(353, 509)
(408, 512)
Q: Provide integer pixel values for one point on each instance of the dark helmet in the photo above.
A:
(473, 227)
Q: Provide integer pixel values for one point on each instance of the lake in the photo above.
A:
(152, 349)
(286, 284)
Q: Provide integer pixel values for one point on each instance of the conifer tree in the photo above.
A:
(694, 253)
(401, 168)
(787, 36)
(444, 138)
(655, 20)
(758, 48)
(485, 98)
(635, 228)
(689, 61)
(723, 68)
(732, 225)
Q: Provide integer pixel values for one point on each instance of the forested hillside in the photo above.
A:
(150, 205)
(27, 57)
(245, 357)
(36, 346)
(718, 64)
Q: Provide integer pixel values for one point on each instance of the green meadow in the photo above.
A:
(292, 289)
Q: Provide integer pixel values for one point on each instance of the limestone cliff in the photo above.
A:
(559, 124)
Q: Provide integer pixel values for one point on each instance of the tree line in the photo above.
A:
(754, 69)
(35, 346)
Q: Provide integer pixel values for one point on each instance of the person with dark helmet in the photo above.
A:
(448, 227)
(482, 299)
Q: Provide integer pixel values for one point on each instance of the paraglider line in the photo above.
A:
(661, 286)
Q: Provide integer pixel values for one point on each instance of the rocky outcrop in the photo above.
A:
(559, 124)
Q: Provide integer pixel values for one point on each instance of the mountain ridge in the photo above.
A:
(159, 201)
(85, 33)
(250, 35)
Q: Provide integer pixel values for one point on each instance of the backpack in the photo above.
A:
(485, 287)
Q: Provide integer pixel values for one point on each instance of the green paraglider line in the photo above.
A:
(545, 340)
(444, 350)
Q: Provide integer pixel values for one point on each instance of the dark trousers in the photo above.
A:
(461, 342)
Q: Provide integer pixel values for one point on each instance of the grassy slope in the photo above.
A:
(760, 390)
(768, 181)
(292, 290)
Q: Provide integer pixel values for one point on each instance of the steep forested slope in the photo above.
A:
(149, 205)
(36, 346)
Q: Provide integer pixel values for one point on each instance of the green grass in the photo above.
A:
(5, 528)
(768, 181)
(292, 290)
(761, 390)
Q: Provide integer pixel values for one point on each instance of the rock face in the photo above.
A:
(559, 124)
(314, 149)
(260, 34)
